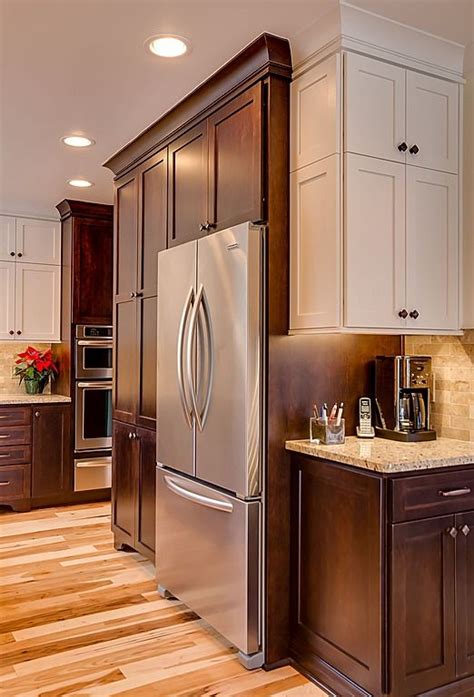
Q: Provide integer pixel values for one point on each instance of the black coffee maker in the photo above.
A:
(403, 394)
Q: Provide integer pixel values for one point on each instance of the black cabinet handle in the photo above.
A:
(414, 150)
(20, 254)
(202, 227)
(211, 226)
(12, 254)
(139, 294)
(403, 314)
(19, 331)
(133, 294)
(11, 332)
(403, 147)
(414, 314)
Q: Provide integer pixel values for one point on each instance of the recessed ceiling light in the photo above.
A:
(80, 183)
(167, 45)
(77, 141)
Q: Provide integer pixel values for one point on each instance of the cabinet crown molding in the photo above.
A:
(85, 209)
(354, 29)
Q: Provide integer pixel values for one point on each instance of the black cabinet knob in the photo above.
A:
(11, 332)
(202, 227)
(403, 146)
(12, 254)
(20, 254)
(139, 294)
(403, 314)
(133, 294)
(414, 150)
(414, 314)
(19, 331)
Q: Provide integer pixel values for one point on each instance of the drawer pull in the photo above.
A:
(7, 455)
(465, 529)
(455, 492)
(3, 416)
(4, 483)
(453, 532)
(7, 436)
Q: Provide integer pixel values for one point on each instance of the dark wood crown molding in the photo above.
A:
(266, 55)
(84, 209)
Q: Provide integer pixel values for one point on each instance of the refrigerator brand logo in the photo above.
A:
(233, 245)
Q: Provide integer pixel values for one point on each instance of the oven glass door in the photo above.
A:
(93, 415)
(93, 359)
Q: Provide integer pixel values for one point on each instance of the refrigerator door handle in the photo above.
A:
(210, 348)
(188, 411)
(224, 506)
(189, 357)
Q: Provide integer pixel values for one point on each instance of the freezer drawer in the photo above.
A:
(208, 555)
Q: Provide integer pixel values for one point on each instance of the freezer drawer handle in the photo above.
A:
(182, 326)
(224, 506)
(201, 300)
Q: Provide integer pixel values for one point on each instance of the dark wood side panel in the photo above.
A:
(145, 525)
(92, 267)
(125, 361)
(153, 220)
(465, 593)
(336, 567)
(124, 481)
(126, 238)
(51, 462)
(422, 606)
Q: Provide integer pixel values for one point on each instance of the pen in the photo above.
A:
(339, 414)
(332, 415)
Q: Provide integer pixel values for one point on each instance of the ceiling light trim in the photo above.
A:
(168, 45)
(82, 141)
(80, 183)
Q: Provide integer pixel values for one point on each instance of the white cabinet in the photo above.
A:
(374, 243)
(7, 300)
(38, 300)
(38, 241)
(374, 108)
(315, 109)
(432, 271)
(315, 245)
(432, 122)
(7, 238)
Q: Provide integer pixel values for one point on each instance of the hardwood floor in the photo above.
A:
(79, 618)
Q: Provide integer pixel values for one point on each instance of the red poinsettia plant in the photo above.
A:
(35, 365)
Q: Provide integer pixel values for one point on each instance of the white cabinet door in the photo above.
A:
(7, 238)
(374, 257)
(432, 122)
(432, 249)
(315, 114)
(7, 300)
(374, 108)
(38, 302)
(38, 241)
(315, 246)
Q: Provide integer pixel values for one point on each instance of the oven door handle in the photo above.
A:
(95, 343)
(97, 385)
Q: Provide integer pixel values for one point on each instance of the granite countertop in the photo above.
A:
(11, 399)
(388, 456)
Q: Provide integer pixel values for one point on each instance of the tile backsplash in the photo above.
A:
(8, 354)
(453, 367)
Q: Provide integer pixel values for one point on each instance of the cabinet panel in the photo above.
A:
(7, 238)
(51, 466)
(125, 357)
(422, 606)
(7, 304)
(146, 407)
(126, 212)
(38, 241)
(153, 232)
(432, 239)
(146, 491)
(15, 484)
(374, 255)
(38, 302)
(93, 251)
(432, 122)
(374, 114)
(465, 593)
(315, 113)
(188, 185)
(315, 245)
(124, 479)
(235, 159)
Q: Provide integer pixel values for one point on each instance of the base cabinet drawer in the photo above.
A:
(430, 495)
(15, 416)
(14, 483)
(15, 455)
(15, 435)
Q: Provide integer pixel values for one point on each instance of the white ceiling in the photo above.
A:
(80, 66)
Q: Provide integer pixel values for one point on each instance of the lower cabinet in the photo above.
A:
(51, 472)
(133, 488)
(383, 580)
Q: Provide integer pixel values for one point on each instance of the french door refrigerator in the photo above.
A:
(209, 432)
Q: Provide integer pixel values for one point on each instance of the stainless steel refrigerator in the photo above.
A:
(209, 432)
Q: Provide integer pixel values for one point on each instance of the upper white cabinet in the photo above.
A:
(38, 241)
(38, 302)
(7, 238)
(374, 108)
(7, 300)
(400, 115)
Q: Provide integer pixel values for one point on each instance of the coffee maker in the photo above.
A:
(403, 394)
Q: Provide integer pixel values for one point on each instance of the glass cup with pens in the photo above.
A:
(327, 427)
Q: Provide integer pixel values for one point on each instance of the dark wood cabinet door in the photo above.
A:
(147, 338)
(93, 270)
(125, 361)
(465, 593)
(51, 461)
(422, 606)
(153, 220)
(145, 530)
(124, 481)
(126, 238)
(235, 161)
(188, 185)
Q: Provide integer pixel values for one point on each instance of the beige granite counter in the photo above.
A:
(388, 456)
(12, 399)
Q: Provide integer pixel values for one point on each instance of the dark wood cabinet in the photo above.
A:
(126, 238)
(125, 361)
(382, 586)
(133, 488)
(51, 467)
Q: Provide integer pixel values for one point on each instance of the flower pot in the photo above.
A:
(35, 386)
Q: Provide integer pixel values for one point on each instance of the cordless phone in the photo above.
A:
(365, 428)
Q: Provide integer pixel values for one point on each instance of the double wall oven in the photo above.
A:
(93, 407)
